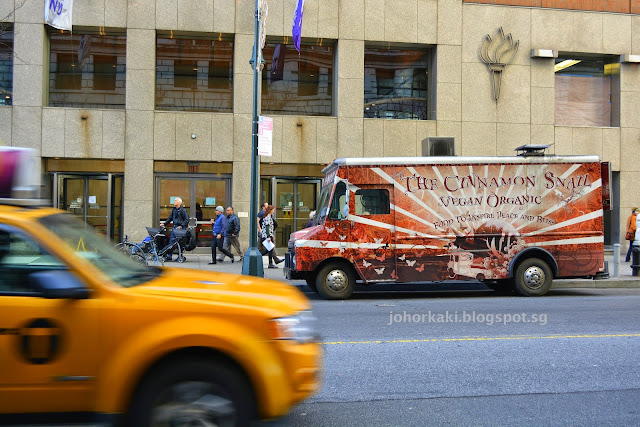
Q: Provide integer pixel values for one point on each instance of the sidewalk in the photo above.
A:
(200, 261)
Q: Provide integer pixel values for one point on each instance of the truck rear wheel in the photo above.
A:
(193, 393)
(335, 281)
(533, 277)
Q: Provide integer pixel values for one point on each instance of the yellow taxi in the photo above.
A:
(85, 332)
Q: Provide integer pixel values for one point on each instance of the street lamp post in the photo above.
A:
(252, 264)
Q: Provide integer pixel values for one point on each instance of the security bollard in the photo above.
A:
(635, 260)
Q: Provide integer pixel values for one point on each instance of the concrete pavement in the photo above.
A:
(624, 280)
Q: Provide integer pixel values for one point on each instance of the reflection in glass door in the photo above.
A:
(294, 200)
(94, 199)
(200, 195)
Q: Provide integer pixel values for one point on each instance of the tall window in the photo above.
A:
(87, 69)
(396, 83)
(194, 73)
(587, 90)
(298, 84)
(6, 63)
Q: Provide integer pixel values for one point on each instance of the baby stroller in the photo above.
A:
(158, 246)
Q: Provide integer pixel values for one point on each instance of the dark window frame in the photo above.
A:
(87, 68)
(6, 60)
(194, 72)
(392, 94)
(301, 84)
(595, 66)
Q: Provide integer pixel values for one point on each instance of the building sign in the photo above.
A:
(265, 136)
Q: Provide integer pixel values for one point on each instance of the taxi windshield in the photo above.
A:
(81, 238)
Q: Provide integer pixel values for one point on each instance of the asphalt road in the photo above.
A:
(401, 359)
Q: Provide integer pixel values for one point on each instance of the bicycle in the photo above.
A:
(154, 256)
(132, 250)
(158, 233)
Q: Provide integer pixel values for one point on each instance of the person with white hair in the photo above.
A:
(180, 219)
(312, 220)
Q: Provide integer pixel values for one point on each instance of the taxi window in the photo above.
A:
(19, 257)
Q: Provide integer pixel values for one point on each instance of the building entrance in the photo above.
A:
(294, 199)
(94, 198)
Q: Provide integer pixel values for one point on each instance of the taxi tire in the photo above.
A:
(339, 270)
(220, 374)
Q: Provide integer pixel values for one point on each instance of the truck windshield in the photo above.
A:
(323, 204)
(88, 245)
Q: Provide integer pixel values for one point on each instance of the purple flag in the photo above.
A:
(297, 24)
(277, 65)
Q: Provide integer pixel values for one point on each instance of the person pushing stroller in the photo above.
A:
(180, 219)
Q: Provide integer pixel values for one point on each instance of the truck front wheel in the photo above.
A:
(193, 393)
(335, 281)
(533, 277)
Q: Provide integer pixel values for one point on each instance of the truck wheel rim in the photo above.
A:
(193, 403)
(534, 277)
(337, 280)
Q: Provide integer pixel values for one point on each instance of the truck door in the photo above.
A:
(373, 232)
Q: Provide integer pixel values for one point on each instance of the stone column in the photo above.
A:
(138, 153)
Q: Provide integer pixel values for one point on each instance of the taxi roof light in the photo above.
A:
(19, 177)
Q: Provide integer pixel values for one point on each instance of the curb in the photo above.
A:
(621, 282)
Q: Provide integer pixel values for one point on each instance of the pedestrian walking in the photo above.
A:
(631, 231)
(268, 236)
(219, 225)
(180, 219)
(231, 234)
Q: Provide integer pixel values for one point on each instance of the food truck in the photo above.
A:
(512, 222)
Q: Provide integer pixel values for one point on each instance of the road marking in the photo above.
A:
(505, 338)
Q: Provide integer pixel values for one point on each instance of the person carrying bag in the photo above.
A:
(268, 232)
(631, 231)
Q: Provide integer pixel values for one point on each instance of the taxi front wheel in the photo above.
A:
(196, 393)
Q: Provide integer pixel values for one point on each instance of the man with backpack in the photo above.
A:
(180, 219)
(231, 235)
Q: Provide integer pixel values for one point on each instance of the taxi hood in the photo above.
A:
(224, 288)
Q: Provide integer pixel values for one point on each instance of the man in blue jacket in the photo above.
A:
(231, 235)
(219, 227)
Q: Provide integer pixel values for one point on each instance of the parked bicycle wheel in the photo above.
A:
(133, 251)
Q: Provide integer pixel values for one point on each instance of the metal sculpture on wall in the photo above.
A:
(497, 54)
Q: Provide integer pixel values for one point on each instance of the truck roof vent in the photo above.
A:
(532, 150)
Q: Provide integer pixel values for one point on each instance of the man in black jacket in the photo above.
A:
(180, 219)
(231, 234)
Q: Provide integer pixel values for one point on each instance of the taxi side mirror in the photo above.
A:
(58, 284)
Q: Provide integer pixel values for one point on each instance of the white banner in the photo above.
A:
(57, 13)
(265, 136)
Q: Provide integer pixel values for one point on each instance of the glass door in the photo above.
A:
(285, 209)
(73, 196)
(95, 199)
(294, 200)
(200, 195)
(97, 204)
